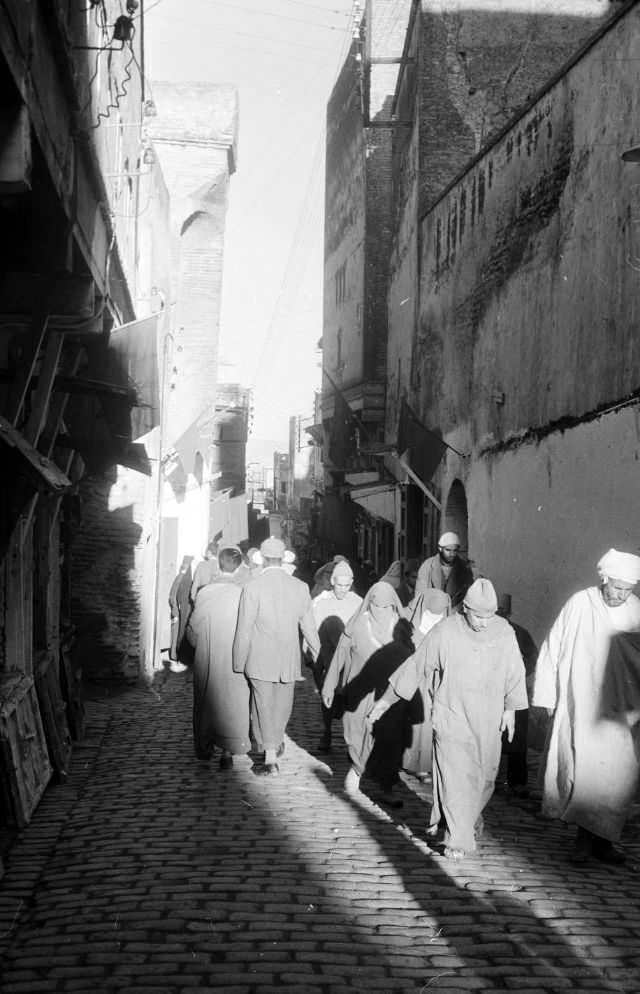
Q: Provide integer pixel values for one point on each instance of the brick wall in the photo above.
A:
(195, 135)
(472, 72)
(107, 591)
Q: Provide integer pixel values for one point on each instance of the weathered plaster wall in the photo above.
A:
(479, 66)
(529, 286)
(344, 231)
(472, 70)
(529, 293)
(542, 515)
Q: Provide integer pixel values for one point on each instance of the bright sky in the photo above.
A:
(283, 56)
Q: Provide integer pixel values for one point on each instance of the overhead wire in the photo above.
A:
(269, 13)
(267, 405)
(246, 34)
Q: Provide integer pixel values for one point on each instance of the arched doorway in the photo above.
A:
(456, 518)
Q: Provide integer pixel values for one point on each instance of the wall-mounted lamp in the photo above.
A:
(123, 28)
(122, 31)
(149, 108)
(631, 154)
(148, 156)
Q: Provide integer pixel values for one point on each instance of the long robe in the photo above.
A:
(473, 678)
(591, 769)
(359, 673)
(454, 582)
(331, 615)
(180, 605)
(418, 752)
(220, 696)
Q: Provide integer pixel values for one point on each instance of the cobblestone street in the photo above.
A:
(151, 871)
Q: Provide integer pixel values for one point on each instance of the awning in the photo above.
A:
(316, 432)
(377, 499)
(44, 473)
(133, 354)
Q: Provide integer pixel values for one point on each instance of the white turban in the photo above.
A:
(619, 566)
(449, 538)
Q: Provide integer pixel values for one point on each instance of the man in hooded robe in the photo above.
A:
(322, 576)
(395, 577)
(220, 696)
(446, 571)
(332, 609)
(369, 650)
(424, 612)
(588, 676)
(471, 666)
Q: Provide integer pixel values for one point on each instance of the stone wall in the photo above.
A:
(526, 354)
(470, 72)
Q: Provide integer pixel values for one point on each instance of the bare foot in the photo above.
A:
(352, 782)
(455, 854)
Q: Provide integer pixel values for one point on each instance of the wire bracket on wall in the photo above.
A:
(123, 31)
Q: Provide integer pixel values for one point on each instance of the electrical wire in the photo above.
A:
(247, 34)
(267, 13)
(267, 404)
(121, 88)
(243, 48)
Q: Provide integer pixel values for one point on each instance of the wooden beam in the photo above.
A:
(76, 385)
(42, 395)
(26, 368)
(59, 404)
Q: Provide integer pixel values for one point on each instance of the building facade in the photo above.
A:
(493, 177)
(79, 390)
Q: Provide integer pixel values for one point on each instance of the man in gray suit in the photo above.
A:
(274, 607)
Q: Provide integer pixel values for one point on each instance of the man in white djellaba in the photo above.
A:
(588, 677)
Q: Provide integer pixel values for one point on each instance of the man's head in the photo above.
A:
(504, 605)
(272, 551)
(341, 579)
(619, 572)
(448, 548)
(229, 560)
(480, 604)
(411, 569)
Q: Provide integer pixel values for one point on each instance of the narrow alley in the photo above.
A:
(149, 870)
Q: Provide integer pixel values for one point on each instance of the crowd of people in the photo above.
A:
(428, 675)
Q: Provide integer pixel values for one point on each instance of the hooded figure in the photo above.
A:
(471, 667)
(424, 612)
(332, 609)
(374, 643)
(395, 577)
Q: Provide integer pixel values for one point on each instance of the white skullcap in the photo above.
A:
(341, 569)
(481, 598)
(449, 538)
(619, 566)
(272, 548)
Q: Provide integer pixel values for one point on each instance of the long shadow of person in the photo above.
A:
(492, 918)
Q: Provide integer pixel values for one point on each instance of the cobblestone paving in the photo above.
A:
(150, 871)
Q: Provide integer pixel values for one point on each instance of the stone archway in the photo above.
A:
(456, 516)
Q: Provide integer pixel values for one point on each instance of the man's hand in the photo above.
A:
(376, 713)
(508, 724)
(327, 700)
